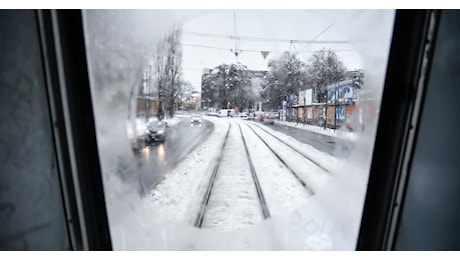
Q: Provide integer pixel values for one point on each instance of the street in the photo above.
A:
(156, 159)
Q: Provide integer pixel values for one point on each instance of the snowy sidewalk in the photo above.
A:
(320, 130)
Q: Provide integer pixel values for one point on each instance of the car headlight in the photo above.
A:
(147, 131)
(160, 132)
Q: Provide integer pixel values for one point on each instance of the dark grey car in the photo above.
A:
(156, 132)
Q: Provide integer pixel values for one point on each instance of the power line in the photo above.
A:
(249, 50)
(249, 38)
(203, 46)
(317, 36)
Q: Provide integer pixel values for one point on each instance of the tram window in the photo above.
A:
(284, 168)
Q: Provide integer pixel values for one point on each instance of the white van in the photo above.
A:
(226, 112)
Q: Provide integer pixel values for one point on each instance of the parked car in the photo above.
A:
(212, 114)
(244, 116)
(267, 119)
(156, 131)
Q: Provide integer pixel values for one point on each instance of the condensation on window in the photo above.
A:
(185, 96)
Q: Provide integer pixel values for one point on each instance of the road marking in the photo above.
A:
(156, 182)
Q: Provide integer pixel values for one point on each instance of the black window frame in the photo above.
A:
(63, 41)
(69, 95)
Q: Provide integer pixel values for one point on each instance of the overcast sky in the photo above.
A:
(209, 38)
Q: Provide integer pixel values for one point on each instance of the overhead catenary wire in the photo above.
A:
(251, 50)
(238, 50)
(250, 38)
(317, 36)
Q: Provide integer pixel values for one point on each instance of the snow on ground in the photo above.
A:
(314, 176)
(340, 133)
(175, 194)
(281, 189)
(329, 220)
(233, 203)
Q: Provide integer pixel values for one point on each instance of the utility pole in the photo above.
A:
(336, 93)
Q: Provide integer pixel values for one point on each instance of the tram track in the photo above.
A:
(226, 181)
(295, 149)
(250, 179)
(277, 155)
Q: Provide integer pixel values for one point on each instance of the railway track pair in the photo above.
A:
(216, 170)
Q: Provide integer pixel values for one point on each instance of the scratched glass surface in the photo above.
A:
(270, 121)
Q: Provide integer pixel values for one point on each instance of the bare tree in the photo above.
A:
(159, 76)
(173, 70)
(167, 73)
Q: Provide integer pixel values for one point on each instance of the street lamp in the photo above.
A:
(325, 109)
